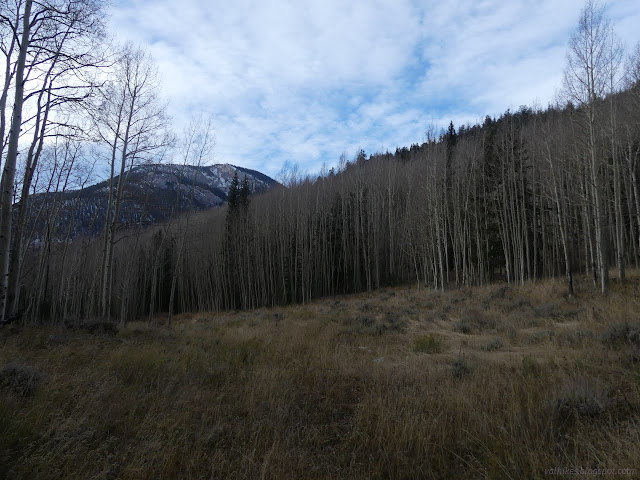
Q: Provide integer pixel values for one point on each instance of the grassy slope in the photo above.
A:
(496, 382)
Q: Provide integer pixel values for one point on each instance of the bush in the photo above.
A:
(481, 320)
(518, 305)
(508, 330)
(493, 345)
(99, 327)
(530, 365)
(461, 368)
(540, 337)
(499, 293)
(20, 379)
(428, 344)
(370, 325)
(365, 307)
(622, 333)
(579, 338)
(579, 398)
(632, 355)
(475, 320)
(547, 310)
(395, 322)
(463, 326)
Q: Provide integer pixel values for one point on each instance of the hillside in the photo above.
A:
(511, 199)
(493, 382)
(153, 192)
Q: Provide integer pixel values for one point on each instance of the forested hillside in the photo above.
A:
(513, 199)
(534, 193)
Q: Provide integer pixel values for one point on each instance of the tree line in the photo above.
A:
(534, 193)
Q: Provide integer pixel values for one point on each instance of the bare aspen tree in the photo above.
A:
(614, 66)
(62, 157)
(632, 150)
(45, 45)
(558, 174)
(131, 120)
(8, 44)
(34, 62)
(585, 83)
(197, 145)
(9, 170)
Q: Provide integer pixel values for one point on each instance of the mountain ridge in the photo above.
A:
(151, 194)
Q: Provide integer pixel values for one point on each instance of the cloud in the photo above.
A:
(303, 81)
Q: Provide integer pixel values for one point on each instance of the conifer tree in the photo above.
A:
(234, 194)
(244, 193)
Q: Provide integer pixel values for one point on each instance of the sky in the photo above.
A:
(299, 82)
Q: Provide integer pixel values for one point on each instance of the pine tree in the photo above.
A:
(236, 243)
(451, 138)
(234, 194)
(244, 193)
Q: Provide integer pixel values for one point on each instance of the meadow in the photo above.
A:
(501, 381)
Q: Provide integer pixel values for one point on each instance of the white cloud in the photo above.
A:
(301, 81)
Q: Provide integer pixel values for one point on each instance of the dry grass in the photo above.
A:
(383, 385)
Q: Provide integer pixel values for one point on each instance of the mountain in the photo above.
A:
(151, 191)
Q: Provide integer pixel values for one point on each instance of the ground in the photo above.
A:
(494, 382)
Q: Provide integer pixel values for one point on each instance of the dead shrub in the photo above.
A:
(493, 345)
(499, 293)
(428, 344)
(461, 368)
(578, 338)
(632, 355)
(20, 379)
(540, 337)
(547, 310)
(578, 398)
(530, 366)
(621, 334)
(463, 326)
(98, 327)
(518, 305)
(475, 320)
(370, 325)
